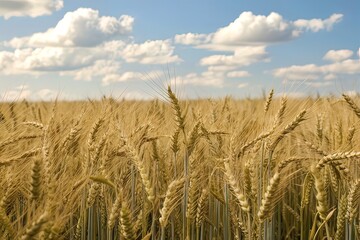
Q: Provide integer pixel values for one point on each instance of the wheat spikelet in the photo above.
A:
(25, 155)
(34, 124)
(175, 141)
(17, 139)
(280, 114)
(286, 162)
(6, 223)
(352, 204)
(36, 179)
(142, 170)
(315, 148)
(233, 183)
(319, 127)
(115, 210)
(201, 207)
(334, 177)
(94, 130)
(247, 179)
(268, 100)
(172, 199)
(351, 133)
(193, 138)
(340, 223)
(93, 193)
(306, 192)
(102, 205)
(253, 142)
(125, 223)
(268, 200)
(338, 133)
(35, 228)
(289, 128)
(179, 117)
(292, 211)
(98, 149)
(321, 195)
(337, 156)
(352, 104)
(77, 235)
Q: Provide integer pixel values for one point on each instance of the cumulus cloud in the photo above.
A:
(150, 52)
(83, 27)
(128, 76)
(32, 8)
(319, 84)
(192, 38)
(315, 72)
(85, 63)
(45, 59)
(135, 95)
(238, 74)
(330, 76)
(243, 56)
(250, 29)
(243, 85)
(206, 78)
(317, 24)
(246, 38)
(298, 72)
(338, 55)
(99, 68)
(46, 94)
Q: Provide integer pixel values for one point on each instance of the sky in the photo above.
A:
(83, 49)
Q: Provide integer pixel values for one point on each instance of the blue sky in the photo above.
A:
(79, 49)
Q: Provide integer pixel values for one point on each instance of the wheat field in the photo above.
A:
(272, 168)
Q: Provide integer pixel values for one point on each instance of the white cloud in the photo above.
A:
(246, 38)
(250, 29)
(316, 25)
(207, 78)
(243, 56)
(32, 8)
(296, 72)
(84, 27)
(338, 55)
(319, 84)
(243, 85)
(85, 63)
(129, 76)
(99, 68)
(330, 76)
(221, 68)
(352, 93)
(192, 38)
(135, 95)
(126, 76)
(238, 74)
(150, 52)
(46, 59)
(315, 72)
(47, 94)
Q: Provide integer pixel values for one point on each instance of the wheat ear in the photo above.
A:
(268, 200)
